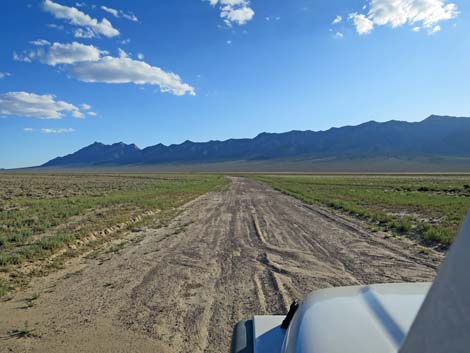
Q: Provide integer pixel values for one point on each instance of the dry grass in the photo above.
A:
(42, 215)
(429, 208)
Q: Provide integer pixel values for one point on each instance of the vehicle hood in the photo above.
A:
(365, 319)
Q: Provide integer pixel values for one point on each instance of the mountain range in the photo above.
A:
(437, 137)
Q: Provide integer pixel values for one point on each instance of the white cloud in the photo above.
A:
(339, 35)
(120, 13)
(140, 56)
(396, 13)
(337, 20)
(90, 26)
(84, 33)
(272, 18)
(59, 53)
(362, 23)
(24, 57)
(234, 11)
(399, 12)
(85, 106)
(91, 113)
(57, 131)
(4, 74)
(53, 25)
(130, 17)
(113, 12)
(50, 131)
(87, 63)
(237, 15)
(126, 70)
(36, 106)
(435, 29)
(40, 42)
(122, 53)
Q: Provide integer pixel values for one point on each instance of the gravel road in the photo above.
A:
(180, 288)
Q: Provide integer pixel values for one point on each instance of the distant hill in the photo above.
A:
(437, 138)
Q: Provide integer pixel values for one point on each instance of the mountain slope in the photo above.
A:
(434, 136)
(97, 154)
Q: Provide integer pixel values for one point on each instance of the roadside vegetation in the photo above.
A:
(43, 215)
(429, 208)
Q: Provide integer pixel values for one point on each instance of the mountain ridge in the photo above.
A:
(433, 136)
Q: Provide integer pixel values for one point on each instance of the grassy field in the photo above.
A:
(41, 215)
(429, 208)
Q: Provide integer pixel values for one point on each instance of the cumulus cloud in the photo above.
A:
(362, 23)
(59, 53)
(84, 33)
(398, 13)
(89, 64)
(120, 14)
(40, 42)
(122, 53)
(434, 29)
(36, 106)
(126, 70)
(395, 13)
(339, 35)
(53, 25)
(57, 131)
(90, 27)
(21, 57)
(4, 74)
(113, 12)
(337, 20)
(85, 106)
(234, 11)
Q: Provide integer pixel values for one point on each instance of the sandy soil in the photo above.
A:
(229, 254)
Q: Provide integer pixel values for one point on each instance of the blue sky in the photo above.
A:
(146, 72)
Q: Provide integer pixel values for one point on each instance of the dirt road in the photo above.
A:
(181, 288)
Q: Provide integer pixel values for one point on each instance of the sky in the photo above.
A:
(166, 71)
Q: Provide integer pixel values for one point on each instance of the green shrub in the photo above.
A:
(404, 225)
(423, 227)
(441, 235)
(51, 244)
(4, 260)
(3, 288)
(16, 238)
(31, 251)
(10, 259)
(381, 218)
(16, 259)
